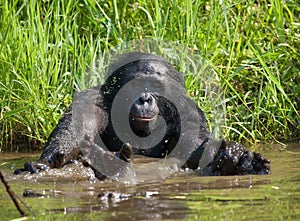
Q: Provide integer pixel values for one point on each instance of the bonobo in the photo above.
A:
(143, 97)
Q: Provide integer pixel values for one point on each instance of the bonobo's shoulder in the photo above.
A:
(89, 96)
(89, 92)
(88, 103)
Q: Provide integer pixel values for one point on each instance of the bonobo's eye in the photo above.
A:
(156, 85)
(136, 83)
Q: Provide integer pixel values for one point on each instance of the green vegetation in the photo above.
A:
(47, 46)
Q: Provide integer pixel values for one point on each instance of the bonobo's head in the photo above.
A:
(143, 79)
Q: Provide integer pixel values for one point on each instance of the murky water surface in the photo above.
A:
(69, 194)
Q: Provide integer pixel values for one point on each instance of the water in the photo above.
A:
(69, 194)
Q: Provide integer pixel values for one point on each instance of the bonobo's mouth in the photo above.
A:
(142, 125)
(142, 119)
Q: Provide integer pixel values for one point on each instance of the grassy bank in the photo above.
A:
(47, 46)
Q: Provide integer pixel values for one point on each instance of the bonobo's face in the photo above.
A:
(144, 111)
(143, 114)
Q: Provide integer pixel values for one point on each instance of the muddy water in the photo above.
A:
(72, 194)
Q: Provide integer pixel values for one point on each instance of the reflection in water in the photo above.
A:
(73, 193)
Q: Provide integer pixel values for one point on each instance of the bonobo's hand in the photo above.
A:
(56, 160)
(125, 152)
(253, 163)
(96, 157)
(233, 159)
(32, 167)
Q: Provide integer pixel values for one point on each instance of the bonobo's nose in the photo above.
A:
(145, 98)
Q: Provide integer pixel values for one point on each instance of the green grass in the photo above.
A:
(46, 47)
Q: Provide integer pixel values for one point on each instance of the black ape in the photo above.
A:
(149, 92)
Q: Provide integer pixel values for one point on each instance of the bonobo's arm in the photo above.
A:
(62, 145)
(224, 157)
(85, 116)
